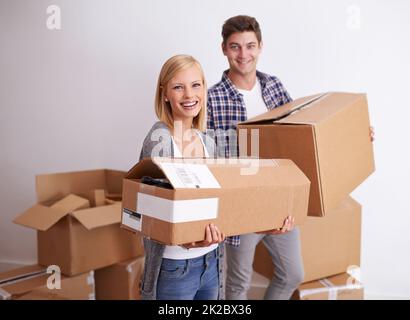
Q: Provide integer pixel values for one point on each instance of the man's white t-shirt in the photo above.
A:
(253, 100)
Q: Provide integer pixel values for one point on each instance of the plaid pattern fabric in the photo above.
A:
(226, 109)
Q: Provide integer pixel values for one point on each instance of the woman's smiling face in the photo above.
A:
(185, 93)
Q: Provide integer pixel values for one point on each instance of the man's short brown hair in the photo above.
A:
(240, 23)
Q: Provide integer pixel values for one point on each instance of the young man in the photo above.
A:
(242, 93)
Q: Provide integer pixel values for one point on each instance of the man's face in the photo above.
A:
(242, 50)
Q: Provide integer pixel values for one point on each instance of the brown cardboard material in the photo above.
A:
(120, 281)
(339, 287)
(326, 135)
(30, 283)
(76, 238)
(329, 244)
(99, 196)
(252, 195)
(71, 203)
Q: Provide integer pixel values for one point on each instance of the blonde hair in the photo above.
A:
(170, 68)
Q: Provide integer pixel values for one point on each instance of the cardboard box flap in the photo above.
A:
(187, 173)
(113, 181)
(236, 173)
(146, 167)
(100, 216)
(99, 197)
(284, 110)
(52, 187)
(181, 173)
(40, 217)
(71, 203)
(316, 112)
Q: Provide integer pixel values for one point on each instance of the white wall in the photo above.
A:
(81, 97)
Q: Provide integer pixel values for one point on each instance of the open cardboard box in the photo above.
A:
(70, 233)
(238, 195)
(326, 135)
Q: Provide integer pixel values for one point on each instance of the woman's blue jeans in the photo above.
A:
(190, 279)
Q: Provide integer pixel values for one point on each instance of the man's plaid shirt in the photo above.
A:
(226, 109)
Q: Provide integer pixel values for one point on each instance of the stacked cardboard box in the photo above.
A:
(120, 281)
(77, 219)
(78, 225)
(328, 137)
(35, 283)
(329, 244)
(322, 138)
(338, 287)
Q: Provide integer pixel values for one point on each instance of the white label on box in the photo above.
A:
(131, 219)
(175, 211)
(189, 175)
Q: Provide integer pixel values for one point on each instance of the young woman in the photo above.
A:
(191, 271)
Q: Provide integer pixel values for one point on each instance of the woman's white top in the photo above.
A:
(178, 252)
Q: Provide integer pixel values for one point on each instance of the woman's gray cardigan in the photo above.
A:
(158, 143)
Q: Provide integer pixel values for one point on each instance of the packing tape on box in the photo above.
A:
(176, 211)
(330, 288)
(90, 278)
(275, 163)
(4, 295)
